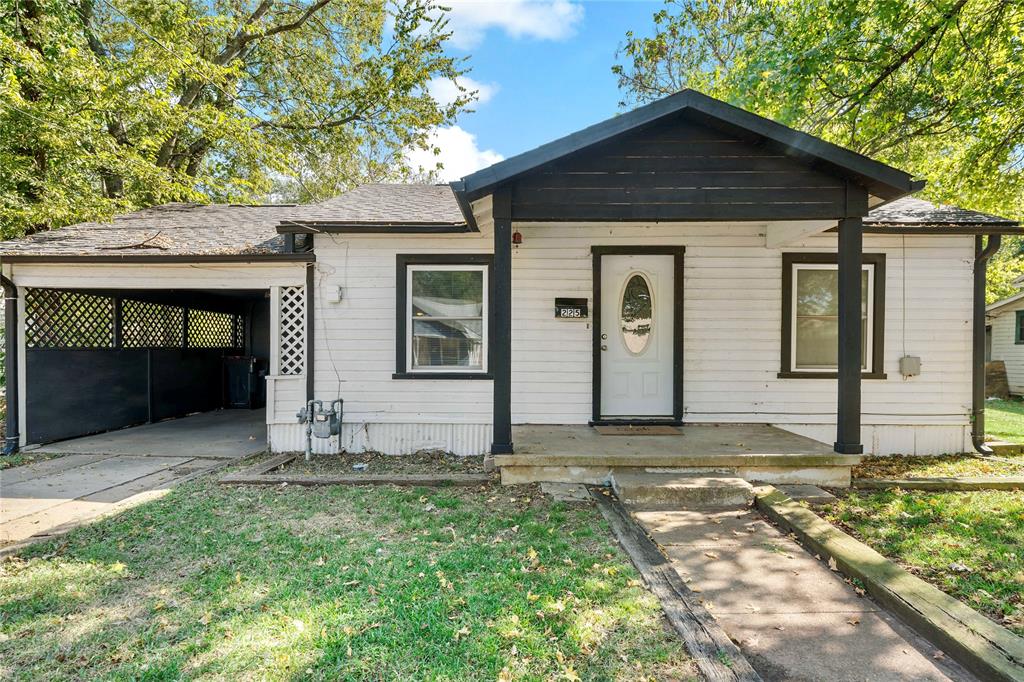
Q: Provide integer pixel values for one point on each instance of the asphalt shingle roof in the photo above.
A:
(911, 211)
(380, 203)
(220, 229)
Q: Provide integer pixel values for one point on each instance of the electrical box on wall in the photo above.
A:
(910, 365)
(334, 294)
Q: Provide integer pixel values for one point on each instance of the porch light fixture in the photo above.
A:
(517, 237)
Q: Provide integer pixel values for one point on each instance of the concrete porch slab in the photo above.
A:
(754, 452)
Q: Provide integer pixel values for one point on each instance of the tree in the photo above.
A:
(109, 105)
(932, 86)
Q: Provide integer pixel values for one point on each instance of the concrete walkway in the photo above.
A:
(793, 618)
(109, 472)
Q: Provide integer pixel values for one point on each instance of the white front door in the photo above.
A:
(637, 344)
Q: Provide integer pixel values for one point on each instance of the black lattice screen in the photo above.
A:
(208, 329)
(68, 319)
(151, 325)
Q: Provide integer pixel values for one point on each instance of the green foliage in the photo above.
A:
(109, 105)
(966, 544)
(1005, 267)
(936, 88)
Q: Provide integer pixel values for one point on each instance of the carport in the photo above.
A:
(101, 360)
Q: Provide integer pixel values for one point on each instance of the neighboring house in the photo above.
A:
(1004, 338)
(686, 262)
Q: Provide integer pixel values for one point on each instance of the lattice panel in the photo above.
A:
(293, 330)
(151, 325)
(67, 319)
(207, 329)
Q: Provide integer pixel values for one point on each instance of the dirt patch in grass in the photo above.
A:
(968, 544)
(22, 458)
(336, 582)
(900, 466)
(346, 464)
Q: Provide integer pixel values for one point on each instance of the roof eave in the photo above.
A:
(363, 227)
(880, 179)
(305, 257)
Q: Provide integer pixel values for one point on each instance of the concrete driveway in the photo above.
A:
(105, 473)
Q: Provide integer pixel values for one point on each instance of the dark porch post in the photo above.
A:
(500, 357)
(851, 241)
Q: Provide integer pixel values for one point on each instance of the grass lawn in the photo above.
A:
(970, 545)
(1004, 419)
(235, 583)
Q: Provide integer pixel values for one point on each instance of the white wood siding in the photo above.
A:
(732, 340)
(355, 351)
(1005, 348)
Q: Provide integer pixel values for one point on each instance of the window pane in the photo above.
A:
(817, 318)
(447, 343)
(447, 293)
(635, 314)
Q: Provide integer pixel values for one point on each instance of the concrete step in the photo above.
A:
(681, 491)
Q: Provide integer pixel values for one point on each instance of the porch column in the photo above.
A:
(500, 354)
(851, 241)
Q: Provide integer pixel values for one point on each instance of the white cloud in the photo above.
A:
(459, 155)
(469, 20)
(445, 91)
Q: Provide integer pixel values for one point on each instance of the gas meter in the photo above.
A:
(320, 421)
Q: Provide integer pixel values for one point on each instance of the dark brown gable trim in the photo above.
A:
(403, 261)
(877, 370)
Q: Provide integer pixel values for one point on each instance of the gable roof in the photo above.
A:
(878, 178)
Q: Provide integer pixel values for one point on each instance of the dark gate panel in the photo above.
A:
(186, 381)
(76, 392)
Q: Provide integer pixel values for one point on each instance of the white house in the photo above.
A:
(687, 263)
(1005, 336)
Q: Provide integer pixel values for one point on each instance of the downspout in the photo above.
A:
(13, 438)
(310, 340)
(981, 258)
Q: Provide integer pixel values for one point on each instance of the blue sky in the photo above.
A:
(543, 69)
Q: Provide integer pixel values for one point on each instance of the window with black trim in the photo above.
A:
(1018, 335)
(443, 305)
(810, 315)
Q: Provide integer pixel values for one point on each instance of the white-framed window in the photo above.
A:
(446, 318)
(815, 323)
(810, 315)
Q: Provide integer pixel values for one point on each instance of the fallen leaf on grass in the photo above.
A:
(711, 555)
(854, 621)
(832, 564)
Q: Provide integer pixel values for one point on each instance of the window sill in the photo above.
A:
(826, 375)
(442, 376)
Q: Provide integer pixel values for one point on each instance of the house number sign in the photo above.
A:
(571, 308)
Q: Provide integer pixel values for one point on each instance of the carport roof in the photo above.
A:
(170, 230)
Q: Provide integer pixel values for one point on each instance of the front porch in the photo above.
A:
(755, 452)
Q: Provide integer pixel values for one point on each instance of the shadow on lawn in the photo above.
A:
(336, 582)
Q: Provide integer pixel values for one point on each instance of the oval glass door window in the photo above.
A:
(635, 313)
